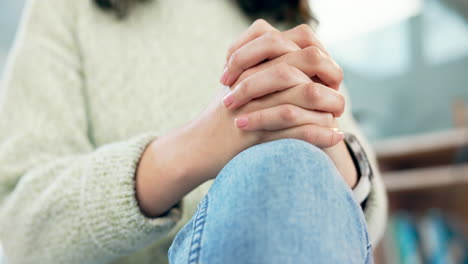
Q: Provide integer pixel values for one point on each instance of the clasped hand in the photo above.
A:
(284, 84)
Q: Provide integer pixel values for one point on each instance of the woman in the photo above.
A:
(104, 155)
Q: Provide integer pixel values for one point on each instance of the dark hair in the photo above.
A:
(287, 11)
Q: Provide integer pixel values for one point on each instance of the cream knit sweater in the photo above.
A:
(82, 96)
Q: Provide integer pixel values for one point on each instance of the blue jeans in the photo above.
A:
(277, 202)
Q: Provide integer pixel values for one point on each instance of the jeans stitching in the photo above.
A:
(369, 256)
(199, 224)
(369, 246)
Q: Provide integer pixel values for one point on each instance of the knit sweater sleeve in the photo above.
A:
(375, 209)
(63, 200)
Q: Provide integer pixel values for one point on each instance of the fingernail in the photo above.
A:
(340, 136)
(224, 77)
(228, 99)
(242, 122)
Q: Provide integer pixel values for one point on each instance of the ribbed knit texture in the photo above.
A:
(82, 96)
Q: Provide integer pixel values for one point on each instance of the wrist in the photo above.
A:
(178, 162)
(162, 177)
(342, 159)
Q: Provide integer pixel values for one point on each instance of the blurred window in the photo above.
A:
(405, 62)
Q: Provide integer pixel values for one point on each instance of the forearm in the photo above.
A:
(164, 174)
(175, 164)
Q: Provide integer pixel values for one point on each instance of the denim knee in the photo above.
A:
(286, 161)
(281, 202)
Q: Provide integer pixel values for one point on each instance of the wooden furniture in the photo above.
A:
(426, 171)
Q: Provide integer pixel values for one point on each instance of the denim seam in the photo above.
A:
(198, 225)
(366, 235)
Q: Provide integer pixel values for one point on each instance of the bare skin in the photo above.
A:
(287, 91)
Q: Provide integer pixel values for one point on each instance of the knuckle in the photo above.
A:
(231, 50)
(307, 34)
(275, 39)
(274, 36)
(244, 87)
(342, 103)
(312, 93)
(313, 54)
(261, 26)
(260, 22)
(340, 73)
(304, 28)
(339, 76)
(287, 114)
(329, 120)
(234, 61)
(284, 72)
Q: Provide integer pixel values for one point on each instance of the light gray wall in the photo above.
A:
(409, 74)
(10, 12)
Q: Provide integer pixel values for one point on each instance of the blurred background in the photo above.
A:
(406, 68)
